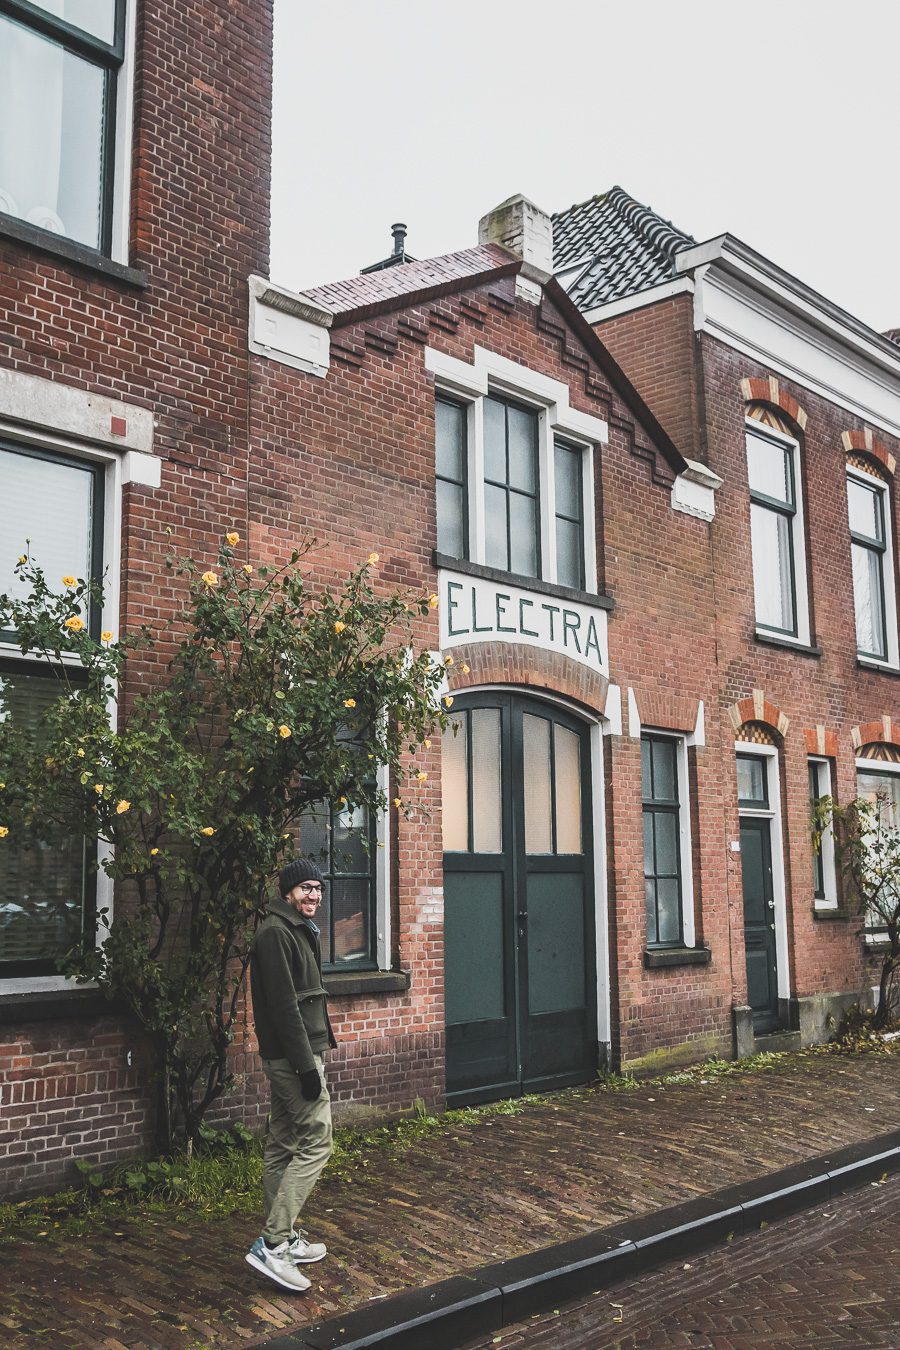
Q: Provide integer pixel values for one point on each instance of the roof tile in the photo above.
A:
(372, 288)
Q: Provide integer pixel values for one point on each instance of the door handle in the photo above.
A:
(772, 926)
(771, 904)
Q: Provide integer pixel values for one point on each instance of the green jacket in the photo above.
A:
(289, 1001)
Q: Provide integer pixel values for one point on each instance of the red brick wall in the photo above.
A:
(200, 221)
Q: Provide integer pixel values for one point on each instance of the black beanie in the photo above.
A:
(301, 869)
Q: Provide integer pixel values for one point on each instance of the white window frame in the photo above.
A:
(772, 812)
(892, 660)
(827, 854)
(685, 840)
(802, 638)
(881, 768)
(493, 375)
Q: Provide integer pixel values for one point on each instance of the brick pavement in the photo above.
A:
(826, 1278)
(490, 1189)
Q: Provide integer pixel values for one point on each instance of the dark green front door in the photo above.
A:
(519, 970)
(759, 923)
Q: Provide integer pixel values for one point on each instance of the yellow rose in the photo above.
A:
(69, 581)
(349, 702)
(284, 731)
(427, 743)
(2, 786)
(153, 852)
(74, 624)
(4, 831)
(210, 579)
(106, 635)
(339, 627)
(80, 753)
(207, 829)
(98, 788)
(464, 668)
(448, 660)
(432, 602)
(247, 568)
(232, 538)
(22, 559)
(122, 807)
(396, 801)
(373, 558)
(422, 775)
(448, 701)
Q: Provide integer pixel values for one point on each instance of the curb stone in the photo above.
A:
(472, 1305)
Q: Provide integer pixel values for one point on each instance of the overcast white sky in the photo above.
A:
(776, 121)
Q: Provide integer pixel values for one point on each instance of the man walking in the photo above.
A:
(293, 1031)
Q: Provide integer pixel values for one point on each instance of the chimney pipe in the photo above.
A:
(399, 233)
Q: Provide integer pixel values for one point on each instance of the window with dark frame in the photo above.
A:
(511, 488)
(341, 839)
(868, 547)
(568, 471)
(817, 790)
(48, 889)
(60, 71)
(451, 464)
(662, 841)
(773, 509)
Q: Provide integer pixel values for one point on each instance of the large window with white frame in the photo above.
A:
(825, 890)
(868, 509)
(513, 492)
(48, 889)
(668, 886)
(777, 534)
(878, 782)
(65, 117)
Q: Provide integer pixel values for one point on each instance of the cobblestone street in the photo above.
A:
(826, 1278)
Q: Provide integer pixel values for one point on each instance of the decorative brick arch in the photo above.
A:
(883, 732)
(768, 390)
(865, 444)
(821, 740)
(757, 708)
(515, 664)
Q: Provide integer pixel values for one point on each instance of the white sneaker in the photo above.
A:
(304, 1252)
(278, 1264)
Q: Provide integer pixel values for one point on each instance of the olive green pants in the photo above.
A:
(297, 1147)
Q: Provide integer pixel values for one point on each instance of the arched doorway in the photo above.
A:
(519, 950)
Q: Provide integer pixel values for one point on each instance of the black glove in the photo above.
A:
(311, 1085)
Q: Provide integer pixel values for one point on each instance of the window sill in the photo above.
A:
(826, 913)
(658, 958)
(864, 663)
(45, 1005)
(59, 247)
(339, 985)
(527, 583)
(786, 644)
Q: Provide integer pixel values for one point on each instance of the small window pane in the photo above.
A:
(815, 792)
(864, 506)
(97, 17)
(450, 519)
(569, 553)
(567, 761)
(50, 504)
(668, 910)
(883, 788)
(450, 438)
(51, 135)
(751, 779)
(665, 780)
(454, 786)
(772, 573)
(768, 468)
(868, 598)
(348, 841)
(568, 481)
(494, 440)
(538, 792)
(523, 535)
(350, 900)
(495, 538)
(486, 780)
(522, 428)
(666, 843)
(315, 834)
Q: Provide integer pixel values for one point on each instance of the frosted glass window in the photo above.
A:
(455, 786)
(486, 780)
(770, 470)
(751, 780)
(567, 766)
(868, 550)
(538, 785)
(511, 487)
(568, 461)
(451, 457)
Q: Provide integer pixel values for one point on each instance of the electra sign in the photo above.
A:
(473, 609)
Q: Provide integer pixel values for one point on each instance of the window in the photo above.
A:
(569, 515)
(343, 842)
(452, 464)
(47, 891)
(666, 841)
(471, 782)
(873, 582)
(511, 506)
(776, 529)
(879, 786)
(61, 79)
(824, 870)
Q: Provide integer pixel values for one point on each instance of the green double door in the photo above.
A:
(519, 967)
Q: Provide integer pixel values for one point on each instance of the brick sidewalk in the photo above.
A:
(492, 1189)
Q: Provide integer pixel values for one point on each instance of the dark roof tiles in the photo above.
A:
(617, 245)
(373, 288)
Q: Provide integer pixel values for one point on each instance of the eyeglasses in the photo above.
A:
(311, 888)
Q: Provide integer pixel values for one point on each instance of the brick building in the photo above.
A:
(795, 405)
